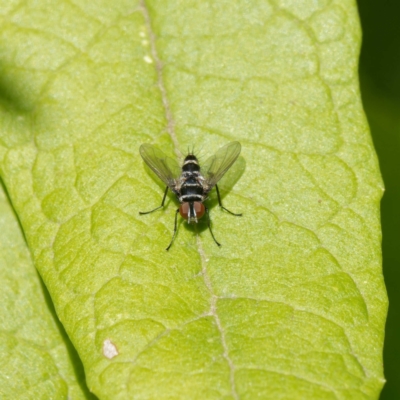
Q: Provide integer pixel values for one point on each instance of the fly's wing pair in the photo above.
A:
(215, 167)
(166, 168)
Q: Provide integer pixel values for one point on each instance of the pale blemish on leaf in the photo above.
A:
(109, 349)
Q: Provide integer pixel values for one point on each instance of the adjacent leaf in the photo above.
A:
(293, 304)
(384, 120)
(380, 88)
(37, 361)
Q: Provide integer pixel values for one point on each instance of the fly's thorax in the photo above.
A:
(191, 189)
(191, 197)
(192, 211)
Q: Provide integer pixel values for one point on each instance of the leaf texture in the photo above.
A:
(293, 304)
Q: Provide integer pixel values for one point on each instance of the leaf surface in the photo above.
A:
(293, 303)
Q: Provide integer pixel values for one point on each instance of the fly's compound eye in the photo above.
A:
(198, 207)
(184, 210)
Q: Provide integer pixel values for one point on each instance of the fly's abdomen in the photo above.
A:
(190, 165)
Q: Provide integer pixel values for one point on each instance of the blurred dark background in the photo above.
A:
(380, 87)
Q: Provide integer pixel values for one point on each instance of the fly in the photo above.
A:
(190, 182)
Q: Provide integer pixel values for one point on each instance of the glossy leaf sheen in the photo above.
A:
(293, 304)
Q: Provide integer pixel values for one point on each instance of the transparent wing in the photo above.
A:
(215, 167)
(166, 168)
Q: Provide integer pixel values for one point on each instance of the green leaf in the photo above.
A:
(293, 303)
(37, 360)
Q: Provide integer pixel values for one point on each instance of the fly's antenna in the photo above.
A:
(199, 155)
(190, 152)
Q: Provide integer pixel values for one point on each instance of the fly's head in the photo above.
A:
(192, 211)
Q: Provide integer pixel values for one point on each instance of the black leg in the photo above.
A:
(209, 227)
(220, 204)
(162, 204)
(173, 236)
